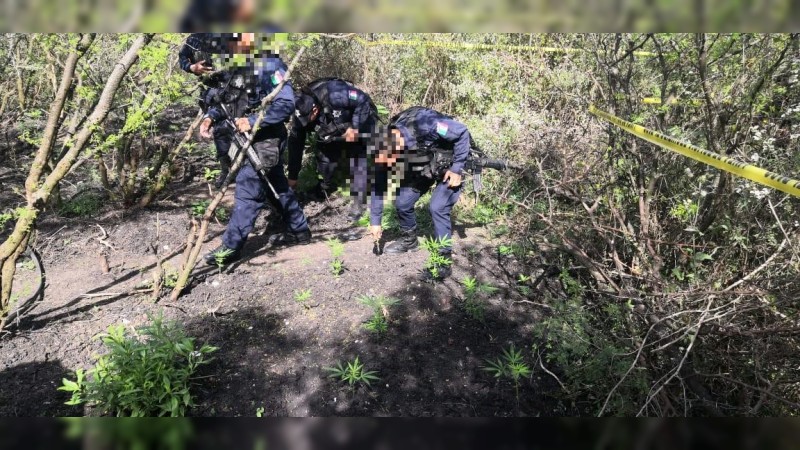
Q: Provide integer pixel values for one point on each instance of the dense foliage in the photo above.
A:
(678, 281)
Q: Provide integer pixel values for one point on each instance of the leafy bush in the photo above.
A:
(143, 375)
(581, 342)
(82, 205)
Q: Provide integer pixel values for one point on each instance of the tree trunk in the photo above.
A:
(37, 195)
(165, 172)
(51, 128)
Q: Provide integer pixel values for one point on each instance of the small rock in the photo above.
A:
(215, 283)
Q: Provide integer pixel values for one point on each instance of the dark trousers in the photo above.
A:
(250, 197)
(442, 202)
(223, 136)
(328, 156)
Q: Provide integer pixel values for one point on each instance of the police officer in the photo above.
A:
(414, 142)
(333, 108)
(263, 75)
(195, 57)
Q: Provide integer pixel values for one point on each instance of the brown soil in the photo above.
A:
(272, 349)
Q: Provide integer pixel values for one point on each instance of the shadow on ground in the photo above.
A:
(30, 390)
(429, 361)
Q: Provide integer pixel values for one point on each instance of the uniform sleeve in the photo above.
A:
(297, 142)
(215, 113)
(282, 107)
(185, 58)
(363, 108)
(457, 134)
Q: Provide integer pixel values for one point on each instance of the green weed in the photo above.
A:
(211, 175)
(198, 209)
(336, 246)
(220, 256)
(376, 324)
(435, 260)
(511, 365)
(302, 297)
(171, 275)
(380, 305)
(337, 250)
(474, 306)
(353, 373)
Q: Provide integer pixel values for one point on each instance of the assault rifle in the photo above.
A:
(241, 140)
(434, 162)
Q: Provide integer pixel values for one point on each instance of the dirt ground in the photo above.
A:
(273, 349)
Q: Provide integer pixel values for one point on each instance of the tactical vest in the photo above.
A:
(428, 162)
(233, 88)
(318, 90)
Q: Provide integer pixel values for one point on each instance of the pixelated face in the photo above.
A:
(244, 11)
(390, 148)
(242, 43)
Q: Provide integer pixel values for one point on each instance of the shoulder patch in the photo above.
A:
(277, 77)
(441, 129)
(353, 95)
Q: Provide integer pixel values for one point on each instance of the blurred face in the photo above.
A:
(390, 152)
(243, 43)
(244, 11)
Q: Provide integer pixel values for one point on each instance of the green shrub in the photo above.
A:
(582, 342)
(198, 209)
(144, 375)
(83, 205)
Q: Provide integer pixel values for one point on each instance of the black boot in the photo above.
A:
(222, 255)
(289, 238)
(440, 270)
(225, 168)
(407, 242)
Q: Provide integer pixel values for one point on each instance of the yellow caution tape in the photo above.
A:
(670, 101)
(753, 173)
(468, 45)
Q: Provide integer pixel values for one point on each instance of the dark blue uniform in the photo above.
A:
(341, 106)
(270, 141)
(424, 128)
(197, 46)
(200, 47)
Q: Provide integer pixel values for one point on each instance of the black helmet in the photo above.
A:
(303, 105)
